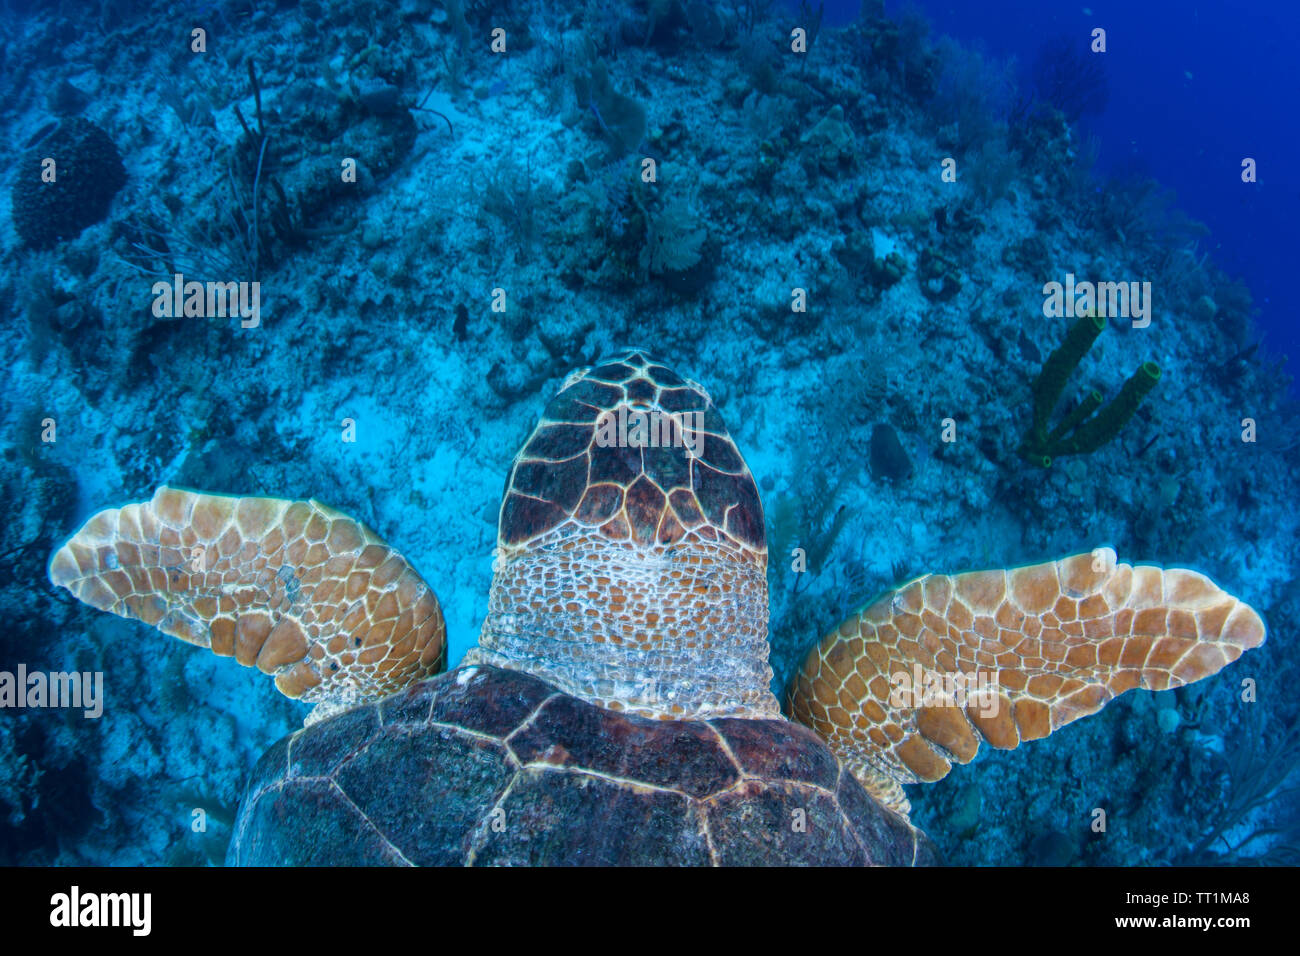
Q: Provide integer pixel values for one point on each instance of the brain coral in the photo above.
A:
(88, 172)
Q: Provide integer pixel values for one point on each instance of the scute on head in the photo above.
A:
(631, 562)
(632, 451)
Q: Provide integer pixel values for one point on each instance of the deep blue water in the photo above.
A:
(1195, 87)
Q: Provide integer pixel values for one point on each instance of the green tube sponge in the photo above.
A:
(1050, 383)
(1090, 403)
(1088, 425)
(1109, 421)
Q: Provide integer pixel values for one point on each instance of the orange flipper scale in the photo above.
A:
(919, 678)
(298, 590)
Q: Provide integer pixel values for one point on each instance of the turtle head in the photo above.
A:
(631, 559)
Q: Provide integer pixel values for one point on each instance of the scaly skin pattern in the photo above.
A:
(299, 590)
(1053, 642)
(631, 567)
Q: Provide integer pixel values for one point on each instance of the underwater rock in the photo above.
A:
(965, 819)
(1204, 309)
(512, 381)
(857, 253)
(86, 174)
(1029, 255)
(1168, 719)
(379, 98)
(66, 100)
(1052, 848)
(938, 277)
(705, 23)
(889, 460)
(621, 119)
(830, 143)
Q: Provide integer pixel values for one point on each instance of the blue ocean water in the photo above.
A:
(843, 221)
(1195, 89)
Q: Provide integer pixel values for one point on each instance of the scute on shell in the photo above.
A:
(489, 766)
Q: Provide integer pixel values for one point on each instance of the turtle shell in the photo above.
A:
(489, 766)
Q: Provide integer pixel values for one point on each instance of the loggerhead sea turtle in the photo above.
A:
(617, 708)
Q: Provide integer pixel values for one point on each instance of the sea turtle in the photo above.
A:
(617, 708)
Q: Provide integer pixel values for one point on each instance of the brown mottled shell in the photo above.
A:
(490, 766)
(649, 494)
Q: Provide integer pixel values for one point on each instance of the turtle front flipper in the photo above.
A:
(298, 589)
(916, 679)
